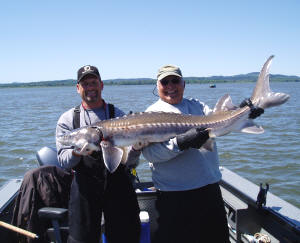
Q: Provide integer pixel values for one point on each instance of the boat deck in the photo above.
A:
(278, 219)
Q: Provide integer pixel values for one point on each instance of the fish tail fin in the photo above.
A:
(262, 95)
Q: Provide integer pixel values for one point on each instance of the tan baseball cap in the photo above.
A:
(168, 70)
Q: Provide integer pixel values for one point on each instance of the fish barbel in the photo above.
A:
(151, 127)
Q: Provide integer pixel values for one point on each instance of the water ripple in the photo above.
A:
(272, 157)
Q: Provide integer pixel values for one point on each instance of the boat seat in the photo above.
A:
(56, 215)
(47, 156)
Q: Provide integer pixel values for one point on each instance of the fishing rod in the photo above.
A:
(19, 230)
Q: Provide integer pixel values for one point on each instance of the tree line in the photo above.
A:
(250, 77)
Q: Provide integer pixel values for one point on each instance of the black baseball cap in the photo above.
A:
(85, 70)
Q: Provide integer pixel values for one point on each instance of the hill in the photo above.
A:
(250, 77)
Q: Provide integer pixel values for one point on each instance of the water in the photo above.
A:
(28, 118)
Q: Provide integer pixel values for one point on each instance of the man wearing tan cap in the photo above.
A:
(189, 203)
(186, 175)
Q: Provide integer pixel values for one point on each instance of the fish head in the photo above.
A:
(84, 140)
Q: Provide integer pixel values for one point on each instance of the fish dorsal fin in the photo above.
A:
(224, 104)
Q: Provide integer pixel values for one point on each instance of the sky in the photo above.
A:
(51, 40)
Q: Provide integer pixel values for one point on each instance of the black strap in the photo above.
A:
(247, 102)
(76, 117)
(111, 110)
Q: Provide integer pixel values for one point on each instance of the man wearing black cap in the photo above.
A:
(95, 190)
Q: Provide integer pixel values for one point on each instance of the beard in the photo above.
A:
(91, 97)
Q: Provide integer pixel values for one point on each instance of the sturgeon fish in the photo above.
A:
(116, 135)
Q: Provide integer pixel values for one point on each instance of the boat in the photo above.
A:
(212, 86)
(253, 213)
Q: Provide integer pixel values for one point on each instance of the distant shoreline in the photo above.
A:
(244, 78)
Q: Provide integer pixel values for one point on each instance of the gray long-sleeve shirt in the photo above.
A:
(65, 124)
(175, 170)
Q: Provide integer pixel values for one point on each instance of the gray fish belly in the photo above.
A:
(160, 126)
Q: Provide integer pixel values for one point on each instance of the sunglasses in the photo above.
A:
(87, 84)
(165, 82)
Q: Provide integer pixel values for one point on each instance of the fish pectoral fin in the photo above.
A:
(112, 156)
(251, 127)
(253, 130)
(125, 154)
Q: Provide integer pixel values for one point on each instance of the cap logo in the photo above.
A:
(87, 69)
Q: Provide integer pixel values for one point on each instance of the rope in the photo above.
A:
(262, 238)
(257, 238)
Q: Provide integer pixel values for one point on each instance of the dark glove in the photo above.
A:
(254, 110)
(193, 138)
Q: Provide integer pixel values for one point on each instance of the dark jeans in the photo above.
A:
(91, 195)
(192, 216)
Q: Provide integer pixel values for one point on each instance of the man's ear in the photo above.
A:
(101, 85)
(77, 87)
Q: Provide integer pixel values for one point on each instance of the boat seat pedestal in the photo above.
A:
(54, 214)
